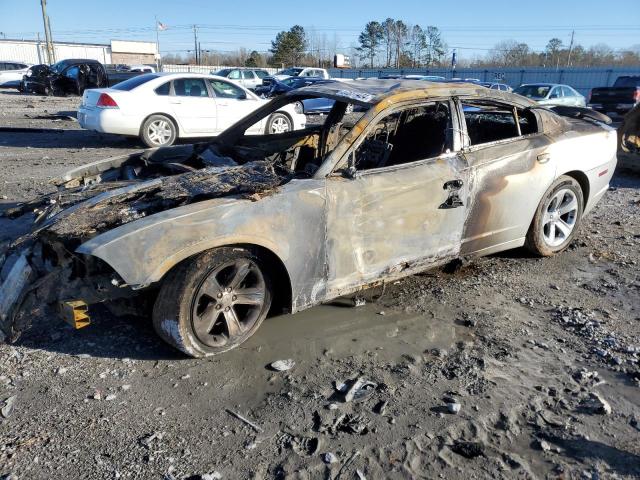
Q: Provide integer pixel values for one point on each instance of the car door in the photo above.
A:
(232, 102)
(248, 79)
(193, 107)
(402, 206)
(236, 76)
(512, 165)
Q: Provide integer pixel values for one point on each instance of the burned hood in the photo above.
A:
(106, 194)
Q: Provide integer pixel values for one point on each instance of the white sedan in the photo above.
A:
(160, 108)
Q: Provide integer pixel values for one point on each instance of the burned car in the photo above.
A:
(219, 234)
(66, 76)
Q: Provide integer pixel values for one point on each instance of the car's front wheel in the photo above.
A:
(557, 218)
(213, 302)
(158, 131)
(279, 123)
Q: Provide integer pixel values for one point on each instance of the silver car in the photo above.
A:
(247, 77)
(11, 73)
(218, 234)
(552, 94)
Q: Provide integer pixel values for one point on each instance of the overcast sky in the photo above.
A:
(471, 26)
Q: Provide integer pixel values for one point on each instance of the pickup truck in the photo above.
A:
(71, 76)
(620, 98)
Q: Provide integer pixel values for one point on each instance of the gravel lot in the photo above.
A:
(508, 367)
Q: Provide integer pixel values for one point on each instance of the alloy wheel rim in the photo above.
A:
(160, 132)
(279, 125)
(228, 303)
(559, 219)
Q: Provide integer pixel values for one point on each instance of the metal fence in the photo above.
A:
(582, 79)
(205, 68)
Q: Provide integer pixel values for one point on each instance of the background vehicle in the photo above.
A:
(11, 73)
(71, 76)
(310, 106)
(551, 94)
(247, 77)
(620, 98)
(302, 72)
(497, 86)
(162, 107)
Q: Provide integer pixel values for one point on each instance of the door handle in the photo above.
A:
(544, 157)
(175, 102)
(454, 200)
(453, 185)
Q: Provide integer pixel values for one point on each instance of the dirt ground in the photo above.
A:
(508, 367)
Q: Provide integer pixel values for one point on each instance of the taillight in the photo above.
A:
(105, 101)
(636, 96)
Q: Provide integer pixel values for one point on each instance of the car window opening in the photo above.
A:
(406, 136)
(490, 122)
(299, 152)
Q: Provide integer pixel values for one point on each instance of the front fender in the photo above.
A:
(290, 223)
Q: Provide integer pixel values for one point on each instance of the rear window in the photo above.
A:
(134, 82)
(627, 82)
(533, 91)
(163, 89)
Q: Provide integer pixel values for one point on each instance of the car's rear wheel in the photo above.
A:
(279, 123)
(158, 131)
(213, 302)
(557, 218)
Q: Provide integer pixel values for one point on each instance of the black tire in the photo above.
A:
(279, 123)
(158, 131)
(552, 231)
(195, 311)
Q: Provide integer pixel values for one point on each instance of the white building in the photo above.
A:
(118, 51)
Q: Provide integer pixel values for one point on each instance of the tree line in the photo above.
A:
(393, 43)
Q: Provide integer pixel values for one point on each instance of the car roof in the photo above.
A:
(373, 91)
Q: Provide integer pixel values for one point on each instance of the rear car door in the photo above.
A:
(249, 79)
(232, 102)
(511, 168)
(193, 107)
(403, 205)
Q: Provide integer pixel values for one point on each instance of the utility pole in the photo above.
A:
(570, 48)
(195, 44)
(51, 58)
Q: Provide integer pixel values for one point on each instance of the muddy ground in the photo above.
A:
(508, 367)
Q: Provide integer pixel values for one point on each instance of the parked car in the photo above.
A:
(11, 73)
(497, 86)
(218, 233)
(551, 94)
(629, 137)
(310, 106)
(620, 98)
(247, 77)
(302, 72)
(71, 76)
(163, 107)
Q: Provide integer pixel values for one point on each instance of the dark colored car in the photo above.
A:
(620, 98)
(311, 106)
(71, 76)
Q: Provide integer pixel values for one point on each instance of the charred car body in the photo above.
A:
(222, 232)
(71, 76)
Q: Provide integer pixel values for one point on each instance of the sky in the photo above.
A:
(472, 27)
